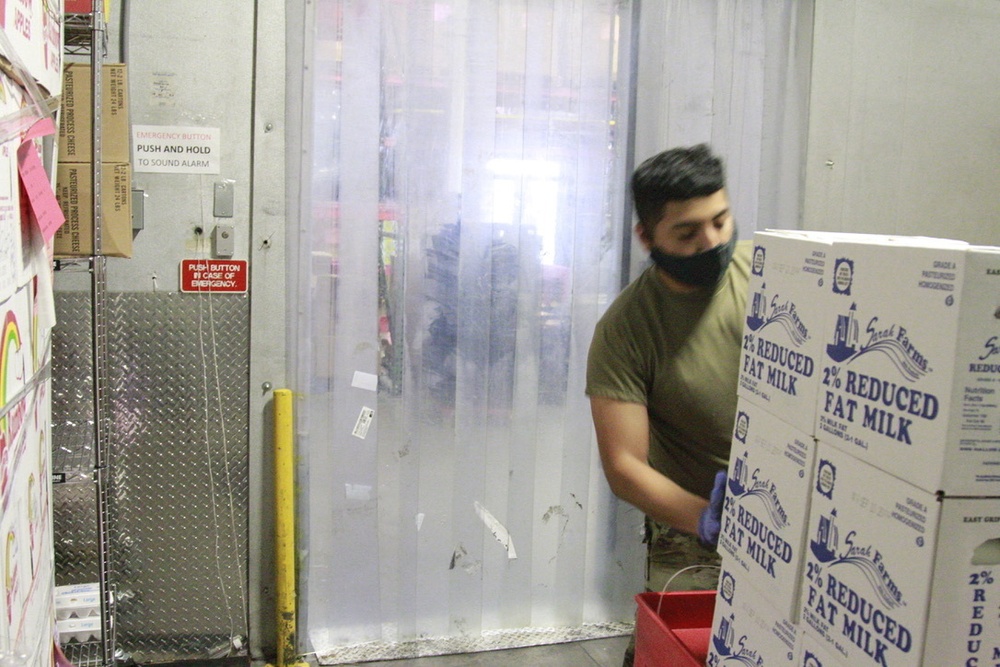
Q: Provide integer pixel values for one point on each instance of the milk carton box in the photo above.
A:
(869, 561)
(765, 512)
(746, 629)
(782, 336)
(972, 457)
(964, 627)
(897, 576)
(909, 374)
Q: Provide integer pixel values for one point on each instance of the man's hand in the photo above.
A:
(710, 521)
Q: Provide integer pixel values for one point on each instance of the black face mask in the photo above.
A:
(701, 270)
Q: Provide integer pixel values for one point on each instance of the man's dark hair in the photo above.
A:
(674, 175)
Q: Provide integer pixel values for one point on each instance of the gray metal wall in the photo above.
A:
(903, 135)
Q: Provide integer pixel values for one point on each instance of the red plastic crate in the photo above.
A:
(673, 629)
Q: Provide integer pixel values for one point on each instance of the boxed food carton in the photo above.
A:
(77, 601)
(782, 337)
(972, 455)
(74, 190)
(910, 372)
(963, 627)
(67, 591)
(746, 628)
(895, 575)
(78, 630)
(765, 513)
(76, 116)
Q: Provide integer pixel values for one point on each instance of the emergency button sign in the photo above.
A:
(214, 275)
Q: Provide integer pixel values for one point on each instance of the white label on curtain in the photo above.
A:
(364, 421)
(498, 530)
(367, 381)
(420, 520)
(358, 492)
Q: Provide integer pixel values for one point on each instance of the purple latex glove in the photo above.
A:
(710, 521)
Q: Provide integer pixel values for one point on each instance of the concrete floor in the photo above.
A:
(590, 653)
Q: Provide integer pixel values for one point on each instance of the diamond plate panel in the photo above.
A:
(178, 504)
(74, 515)
(72, 385)
(489, 641)
(74, 507)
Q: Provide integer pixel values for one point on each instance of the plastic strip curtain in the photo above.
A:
(464, 234)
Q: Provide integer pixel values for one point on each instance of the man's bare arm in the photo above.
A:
(623, 440)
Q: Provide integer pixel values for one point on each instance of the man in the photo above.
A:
(663, 365)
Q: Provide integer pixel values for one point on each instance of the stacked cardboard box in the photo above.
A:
(908, 381)
(907, 494)
(765, 515)
(897, 385)
(74, 175)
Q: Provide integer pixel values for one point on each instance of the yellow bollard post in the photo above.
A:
(284, 528)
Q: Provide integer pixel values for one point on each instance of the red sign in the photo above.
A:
(79, 6)
(213, 275)
(84, 7)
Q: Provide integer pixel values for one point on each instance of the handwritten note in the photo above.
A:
(41, 199)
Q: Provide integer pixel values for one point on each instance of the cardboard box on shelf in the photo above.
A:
(895, 575)
(78, 630)
(911, 365)
(76, 116)
(77, 601)
(70, 591)
(74, 190)
(765, 514)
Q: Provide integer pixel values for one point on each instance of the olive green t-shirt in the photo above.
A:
(677, 354)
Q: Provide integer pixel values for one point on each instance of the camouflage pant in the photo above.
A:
(676, 561)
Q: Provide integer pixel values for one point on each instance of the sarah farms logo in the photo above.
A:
(849, 343)
(765, 312)
(744, 484)
(827, 549)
